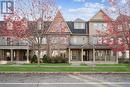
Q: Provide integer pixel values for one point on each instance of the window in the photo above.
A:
(129, 26)
(8, 41)
(120, 27)
(59, 40)
(100, 26)
(40, 25)
(100, 40)
(44, 41)
(24, 25)
(9, 25)
(78, 40)
(79, 25)
(120, 41)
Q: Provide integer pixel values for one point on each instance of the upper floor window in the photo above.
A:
(100, 40)
(120, 28)
(9, 25)
(59, 40)
(100, 26)
(44, 41)
(9, 41)
(79, 25)
(24, 25)
(129, 26)
(39, 25)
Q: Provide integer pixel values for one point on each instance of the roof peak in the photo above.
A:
(79, 20)
(58, 14)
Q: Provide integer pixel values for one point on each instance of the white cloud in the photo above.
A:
(88, 10)
(59, 7)
(94, 5)
(79, 0)
(123, 1)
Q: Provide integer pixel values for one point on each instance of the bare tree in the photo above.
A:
(118, 29)
(31, 19)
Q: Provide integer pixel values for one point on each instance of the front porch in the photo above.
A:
(92, 55)
(9, 54)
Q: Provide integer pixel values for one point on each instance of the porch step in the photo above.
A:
(91, 64)
(76, 63)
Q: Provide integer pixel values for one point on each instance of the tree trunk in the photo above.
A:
(129, 55)
(39, 52)
(48, 46)
(123, 57)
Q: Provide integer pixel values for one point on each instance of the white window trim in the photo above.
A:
(79, 25)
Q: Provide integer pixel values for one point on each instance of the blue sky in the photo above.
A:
(84, 9)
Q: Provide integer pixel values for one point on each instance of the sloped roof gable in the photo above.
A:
(100, 16)
(59, 25)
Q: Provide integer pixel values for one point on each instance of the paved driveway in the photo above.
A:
(65, 80)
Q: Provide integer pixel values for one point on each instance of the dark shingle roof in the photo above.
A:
(77, 31)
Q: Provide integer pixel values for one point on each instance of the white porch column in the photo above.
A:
(69, 55)
(93, 54)
(117, 57)
(27, 55)
(82, 54)
(11, 53)
(105, 56)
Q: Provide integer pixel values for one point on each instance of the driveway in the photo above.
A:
(64, 80)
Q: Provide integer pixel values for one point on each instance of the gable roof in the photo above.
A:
(79, 20)
(59, 25)
(100, 16)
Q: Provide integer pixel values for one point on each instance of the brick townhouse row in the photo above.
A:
(76, 41)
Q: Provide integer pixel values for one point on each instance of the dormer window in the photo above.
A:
(79, 25)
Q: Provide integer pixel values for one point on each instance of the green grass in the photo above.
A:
(112, 65)
(49, 68)
(48, 64)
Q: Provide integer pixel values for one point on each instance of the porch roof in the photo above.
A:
(14, 47)
(88, 46)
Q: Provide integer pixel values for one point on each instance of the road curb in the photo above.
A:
(64, 73)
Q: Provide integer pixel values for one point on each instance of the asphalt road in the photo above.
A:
(64, 80)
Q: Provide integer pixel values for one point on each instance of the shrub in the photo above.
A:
(64, 60)
(56, 59)
(46, 59)
(59, 59)
(34, 59)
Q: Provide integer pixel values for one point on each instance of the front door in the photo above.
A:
(88, 55)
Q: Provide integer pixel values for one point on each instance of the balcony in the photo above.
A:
(14, 45)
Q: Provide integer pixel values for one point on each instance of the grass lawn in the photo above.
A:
(50, 68)
(112, 64)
